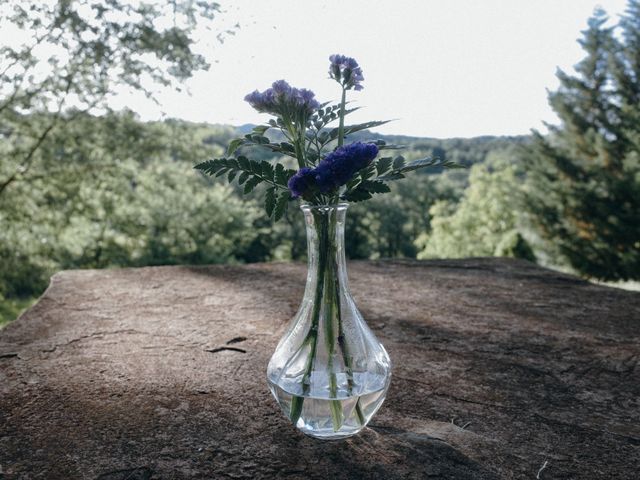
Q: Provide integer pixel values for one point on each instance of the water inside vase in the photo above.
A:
(323, 417)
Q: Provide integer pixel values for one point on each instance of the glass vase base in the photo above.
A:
(329, 419)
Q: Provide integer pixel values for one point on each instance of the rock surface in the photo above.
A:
(502, 370)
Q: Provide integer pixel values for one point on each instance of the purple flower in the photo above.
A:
(346, 71)
(284, 100)
(334, 170)
(301, 182)
(341, 165)
(281, 88)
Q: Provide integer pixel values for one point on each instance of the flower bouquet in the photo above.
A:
(329, 373)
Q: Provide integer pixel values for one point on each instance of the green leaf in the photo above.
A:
(422, 163)
(367, 172)
(323, 137)
(382, 145)
(287, 147)
(244, 162)
(281, 176)
(251, 184)
(390, 176)
(351, 110)
(270, 201)
(364, 190)
(255, 167)
(281, 206)
(234, 145)
(244, 176)
(260, 129)
(232, 175)
(399, 167)
(374, 186)
(349, 129)
(398, 162)
(383, 165)
(267, 170)
(208, 167)
(356, 195)
(355, 181)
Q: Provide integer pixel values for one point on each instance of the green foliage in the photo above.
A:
(486, 221)
(513, 244)
(124, 200)
(373, 179)
(97, 48)
(119, 196)
(12, 307)
(584, 180)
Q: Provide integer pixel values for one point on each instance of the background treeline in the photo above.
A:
(82, 186)
(121, 192)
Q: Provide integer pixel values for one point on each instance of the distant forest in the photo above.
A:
(113, 191)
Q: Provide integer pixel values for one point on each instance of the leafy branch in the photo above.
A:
(373, 179)
(257, 138)
(250, 174)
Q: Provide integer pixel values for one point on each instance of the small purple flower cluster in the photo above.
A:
(334, 170)
(346, 71)
(301, 182)
(284, 100)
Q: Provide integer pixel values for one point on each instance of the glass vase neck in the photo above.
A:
(325, 244)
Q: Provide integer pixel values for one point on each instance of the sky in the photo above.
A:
(445, 68)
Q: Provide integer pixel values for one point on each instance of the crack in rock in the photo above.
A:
(236, 340)
(221, 349)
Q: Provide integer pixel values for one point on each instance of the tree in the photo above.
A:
(130, 203)
(486, 221)
(65, 58)
(584, 180)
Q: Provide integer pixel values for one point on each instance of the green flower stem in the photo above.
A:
(341, 125)
(302, 154)
(330, 317)
(299, 152)
(312, 336)
(296, 133)
(297, 401)
(346, 357)
(327, 293)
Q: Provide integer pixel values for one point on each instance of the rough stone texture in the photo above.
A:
(501, 368)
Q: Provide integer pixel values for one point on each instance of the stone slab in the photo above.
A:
(503, 370)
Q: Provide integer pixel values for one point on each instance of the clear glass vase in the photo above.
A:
(329, 373)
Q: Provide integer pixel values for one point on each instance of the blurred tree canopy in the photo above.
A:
(64, 58)
(487, 221)
(61, 177)
(584, 178)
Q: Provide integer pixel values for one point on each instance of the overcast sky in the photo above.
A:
(442, 68)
